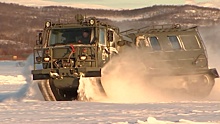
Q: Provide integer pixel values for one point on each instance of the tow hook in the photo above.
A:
(55, 75)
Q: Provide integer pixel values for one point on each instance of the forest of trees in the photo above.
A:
(21, 23)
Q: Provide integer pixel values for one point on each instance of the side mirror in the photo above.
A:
(40, 39)
(110, 36)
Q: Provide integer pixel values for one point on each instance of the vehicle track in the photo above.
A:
(46, 91)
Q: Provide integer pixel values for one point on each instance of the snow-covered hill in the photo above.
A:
(20, 24)
(18, 44)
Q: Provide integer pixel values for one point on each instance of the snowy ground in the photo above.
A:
(88, 112)
(21, 103)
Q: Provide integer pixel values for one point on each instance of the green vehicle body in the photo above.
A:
(61, 58)
(174, 56)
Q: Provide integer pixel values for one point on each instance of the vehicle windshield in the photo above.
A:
(71, 36)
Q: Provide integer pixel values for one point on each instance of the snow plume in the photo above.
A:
(90, 89)
(211, 38)
(27, 90)
(21, 93)
(32, 92)
(126, 80)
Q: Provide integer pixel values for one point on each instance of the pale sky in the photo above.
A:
(114, 4)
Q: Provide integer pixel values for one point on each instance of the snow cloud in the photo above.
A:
(190, 2)
(49, 3)
(208, 3)
(106, 4)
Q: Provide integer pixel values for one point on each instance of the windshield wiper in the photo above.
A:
(57, 44)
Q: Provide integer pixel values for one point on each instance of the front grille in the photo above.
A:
(67, 56)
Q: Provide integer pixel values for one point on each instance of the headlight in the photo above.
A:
(83, 57)
(92, 22)
(47, 24)
(47, 59)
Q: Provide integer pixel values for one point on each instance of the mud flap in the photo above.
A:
(41, 76)
(93, 74)
(214, 72)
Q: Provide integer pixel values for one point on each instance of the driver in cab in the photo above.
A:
(85, 39)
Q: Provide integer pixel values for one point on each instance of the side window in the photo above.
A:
(55, 37)
(190, 42)
(154, 43)
(52, 38)
(102, 35)
(174, 42)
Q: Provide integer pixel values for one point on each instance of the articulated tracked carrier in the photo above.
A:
(174, 56)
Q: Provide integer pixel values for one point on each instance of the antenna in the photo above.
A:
(59, 18)
(79, 18)
(84, 19)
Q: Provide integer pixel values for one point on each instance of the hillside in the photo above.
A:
(19, 24)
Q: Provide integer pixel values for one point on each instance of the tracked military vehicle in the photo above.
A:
(175, 58)
(67, 51)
